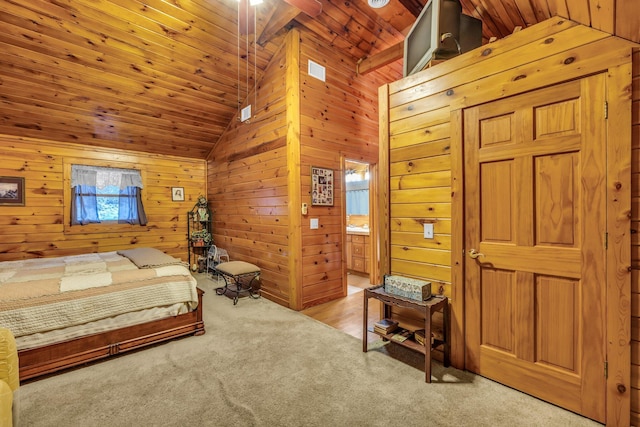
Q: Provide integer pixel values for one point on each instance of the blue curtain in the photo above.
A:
(358, 202)
(130, 209)
(84, 205)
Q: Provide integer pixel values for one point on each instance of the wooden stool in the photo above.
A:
(234, 274)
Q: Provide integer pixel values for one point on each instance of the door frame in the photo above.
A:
(374, 244)
(618, 252)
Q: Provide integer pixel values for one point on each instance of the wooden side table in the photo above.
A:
(428, 307)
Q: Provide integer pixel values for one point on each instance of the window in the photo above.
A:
(102, 194)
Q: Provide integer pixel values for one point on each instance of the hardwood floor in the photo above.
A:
(346, 314)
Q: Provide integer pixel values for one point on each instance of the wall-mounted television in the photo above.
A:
(436, 33)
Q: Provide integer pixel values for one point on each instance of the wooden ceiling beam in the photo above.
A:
(281, 15)
(381, 59)
(312, 8)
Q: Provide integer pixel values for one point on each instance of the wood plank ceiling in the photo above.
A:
(163, 76)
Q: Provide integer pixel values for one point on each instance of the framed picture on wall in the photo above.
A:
(321, 186)
(12, 190)
(177, 194)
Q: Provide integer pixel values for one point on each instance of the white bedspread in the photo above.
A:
(45, 294)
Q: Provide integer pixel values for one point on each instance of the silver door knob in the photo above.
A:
(473, 254)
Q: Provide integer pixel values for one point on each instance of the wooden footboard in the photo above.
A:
(55, 357)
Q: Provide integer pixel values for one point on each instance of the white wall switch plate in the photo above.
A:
(428, 230)
(314, 223)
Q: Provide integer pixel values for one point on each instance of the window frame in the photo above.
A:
(104, 226)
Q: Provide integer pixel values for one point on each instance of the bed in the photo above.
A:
(71, 310)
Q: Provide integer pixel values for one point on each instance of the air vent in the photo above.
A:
(245, 113)
(377, 4)
(316, 70)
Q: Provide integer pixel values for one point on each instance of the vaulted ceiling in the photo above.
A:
(163, 76)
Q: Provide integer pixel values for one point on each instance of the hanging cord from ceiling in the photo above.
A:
(245, 11)
(238, 57)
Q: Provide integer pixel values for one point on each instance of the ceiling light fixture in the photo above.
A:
(377, 4)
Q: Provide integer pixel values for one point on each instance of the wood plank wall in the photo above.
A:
(423, 183)
(257, 206)
(635, 249)
(41, 227)
(247, 181)
(338, 119)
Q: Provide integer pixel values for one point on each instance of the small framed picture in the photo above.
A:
(177, 194)
(11, 190)
(321, 186)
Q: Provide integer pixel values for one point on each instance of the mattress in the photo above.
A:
(47, 300)
(39, 339)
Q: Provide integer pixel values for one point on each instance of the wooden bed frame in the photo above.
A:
(47, 359)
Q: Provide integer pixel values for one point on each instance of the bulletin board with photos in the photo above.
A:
(321, 186)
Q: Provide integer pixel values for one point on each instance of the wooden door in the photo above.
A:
(535, 287)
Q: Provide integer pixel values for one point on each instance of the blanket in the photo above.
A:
(44, 294)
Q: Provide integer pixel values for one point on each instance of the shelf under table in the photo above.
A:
(428, 307)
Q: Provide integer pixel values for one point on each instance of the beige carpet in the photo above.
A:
(260, 364)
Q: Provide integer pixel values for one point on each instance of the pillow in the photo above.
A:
(149, 257)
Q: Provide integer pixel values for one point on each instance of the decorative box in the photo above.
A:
(406, 287)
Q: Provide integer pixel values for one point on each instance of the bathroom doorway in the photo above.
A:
(359, 225)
